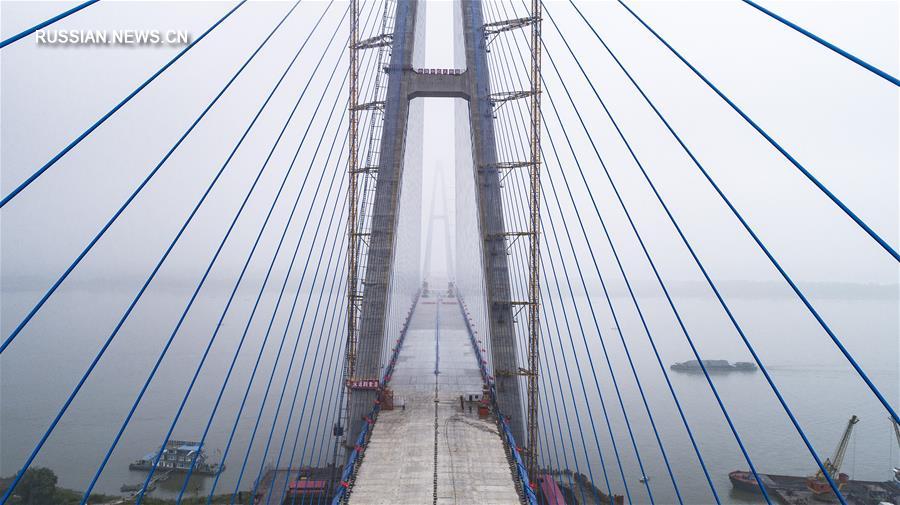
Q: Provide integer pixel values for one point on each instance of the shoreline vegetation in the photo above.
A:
(38, 487)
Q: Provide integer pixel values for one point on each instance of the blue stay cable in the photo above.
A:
(111, 337)
(615, 317)
(309, 260)
(571, 395)
(268, 386)
(235, 290)
(259, 297)
(228, 305)
(328, 301)
(634, 229)
(578, 416)
(547, 419)
(625, 346)
(19, 327)
(335, 292)
(702, 269)
(277, 302)
(326, 358)
(331, 380)
(272, 373)
(568, 375)
(661, 283)
(334, 383)
(506, 140)
(565, 363)
(543, 386)
(560, 464)
(548, 383)
(871, 68)
(772, 141)
(593, 369)
(309, 302)
(764, 249)
(6, 199)
(677, 315)
(266, 337)
(203, 278)
(268, 331)
(580, 375)
(548, 252)
(46, 23)
(340, 406)
(640, 316)
(518, 290)
(333, 394)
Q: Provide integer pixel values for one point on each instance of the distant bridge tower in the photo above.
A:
(374, 246)
(433, 219)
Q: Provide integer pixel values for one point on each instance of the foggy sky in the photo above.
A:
(840, 121)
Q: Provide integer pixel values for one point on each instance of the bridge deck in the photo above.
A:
(431, 450)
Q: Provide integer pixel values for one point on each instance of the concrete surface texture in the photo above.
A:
(429, 449)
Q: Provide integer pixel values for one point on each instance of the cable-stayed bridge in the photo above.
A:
(335, 368)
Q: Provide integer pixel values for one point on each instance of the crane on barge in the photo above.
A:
(896, 427)
(818, 484)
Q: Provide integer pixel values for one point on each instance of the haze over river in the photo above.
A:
(44, 363)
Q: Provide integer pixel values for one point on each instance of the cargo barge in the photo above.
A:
(794, 490)
(713, 365)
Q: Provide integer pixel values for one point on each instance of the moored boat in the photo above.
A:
(133, 488)
(745, 481)
(178, 456)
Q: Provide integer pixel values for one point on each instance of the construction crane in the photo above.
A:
(819, 484)
(897, 434)
(896, 429)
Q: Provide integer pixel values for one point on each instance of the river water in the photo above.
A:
(43, 364)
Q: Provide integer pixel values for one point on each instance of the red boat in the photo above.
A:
(746, 481)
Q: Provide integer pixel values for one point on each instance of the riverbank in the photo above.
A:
(38, 487)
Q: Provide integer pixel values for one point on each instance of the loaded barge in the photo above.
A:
(713, 366)
(794, 490)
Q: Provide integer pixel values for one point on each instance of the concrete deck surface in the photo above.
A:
(433, 451)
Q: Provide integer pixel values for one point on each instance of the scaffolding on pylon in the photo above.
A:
(534, 288)
(353, 169)
(362, 176)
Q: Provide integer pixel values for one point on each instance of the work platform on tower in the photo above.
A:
(433, 447)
